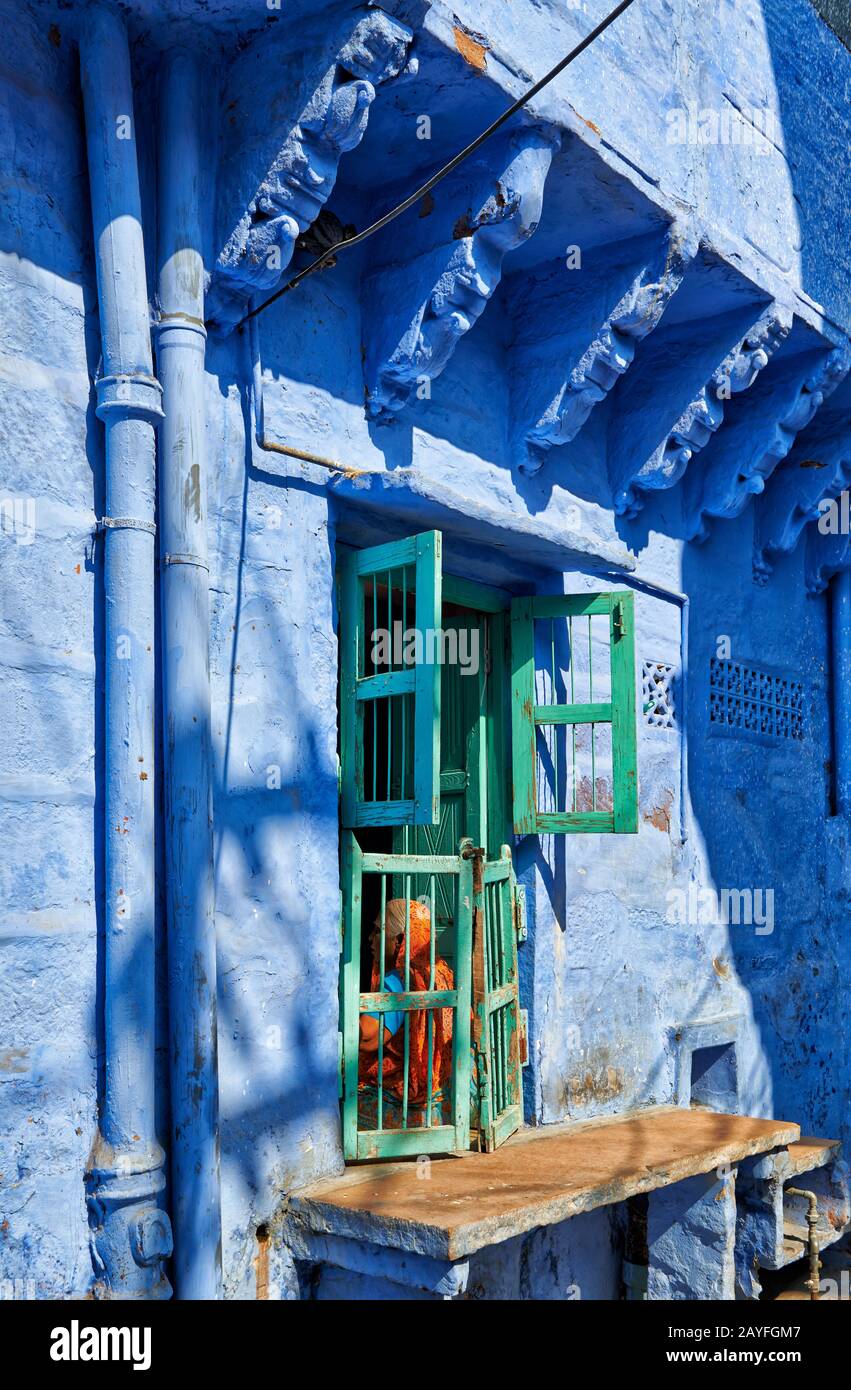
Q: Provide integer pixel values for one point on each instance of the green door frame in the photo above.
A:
(495, 604)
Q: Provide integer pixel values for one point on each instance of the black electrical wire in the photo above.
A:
(459, 158)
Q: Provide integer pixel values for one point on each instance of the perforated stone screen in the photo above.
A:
(750, 702)
(657, 694)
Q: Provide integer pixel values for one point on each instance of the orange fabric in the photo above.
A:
(393, 1070)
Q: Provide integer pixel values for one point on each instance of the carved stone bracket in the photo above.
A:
(746, 453)
(320, 114)
(825, 557)
(817, 469)
(598, 314)
(421, 302)
(704, 414)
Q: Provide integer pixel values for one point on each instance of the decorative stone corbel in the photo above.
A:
(421, 302)
(826, 555)
(281, 154)
(817, 471)
(703, 416)
(746, 453)
(597, 315)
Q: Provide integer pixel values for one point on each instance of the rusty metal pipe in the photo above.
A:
(260, 416)
(813, 1283)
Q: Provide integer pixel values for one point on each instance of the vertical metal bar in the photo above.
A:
(593, 726)
(490, 977)
(461, 1031)
(500, 1017)
(407, 1019)
(554, 700)
(404, 750)
(489, 948)
(498, 890)
(381, 1016)
(374, 702)
(493, 1068)
(431, 951)
(572, 700)
(391, 667)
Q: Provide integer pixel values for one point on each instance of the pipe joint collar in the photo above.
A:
(130, 395)
(130, 1235)
(181, 330)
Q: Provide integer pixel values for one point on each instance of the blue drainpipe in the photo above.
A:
(841, 623)
(131, 1235)
(186, 685)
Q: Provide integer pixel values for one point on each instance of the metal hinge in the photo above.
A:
(524, 1037)
(520, 926)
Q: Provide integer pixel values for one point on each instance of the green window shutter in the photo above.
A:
(390, 707)
(574, 752)
(377, 1123)
(496, 1029)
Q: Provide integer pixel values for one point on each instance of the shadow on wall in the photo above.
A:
(276, 866)
(760, 805)
(812, 76)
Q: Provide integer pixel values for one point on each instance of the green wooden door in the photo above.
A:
(463, 764)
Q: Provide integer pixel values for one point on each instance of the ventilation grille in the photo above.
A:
(657, 687)
(746, 701)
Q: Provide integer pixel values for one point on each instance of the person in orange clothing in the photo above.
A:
(397, 912)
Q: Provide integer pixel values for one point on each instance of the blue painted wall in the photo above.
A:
(607, 978)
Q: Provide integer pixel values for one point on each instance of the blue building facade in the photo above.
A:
(608, 353)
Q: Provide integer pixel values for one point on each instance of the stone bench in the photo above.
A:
(431, 1227)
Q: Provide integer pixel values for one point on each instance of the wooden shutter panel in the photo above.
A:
(420, 1128)
(614, 714)
(496, 999)
(390, 710)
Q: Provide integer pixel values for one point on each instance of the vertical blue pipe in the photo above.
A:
(186, 686)
(841, 625)
(131, 1235)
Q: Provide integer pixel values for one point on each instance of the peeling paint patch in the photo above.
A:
(471, 50)
(14, 1060)
(261, 1261)
(590, 124)
(660, 816)
(603, 1085)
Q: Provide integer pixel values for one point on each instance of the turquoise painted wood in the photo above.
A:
(390, 718)
(624, 754)
(429, 610)
(523, 748)
(396, 874)
(352, 884)
(496, 1001)
(618, 713)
